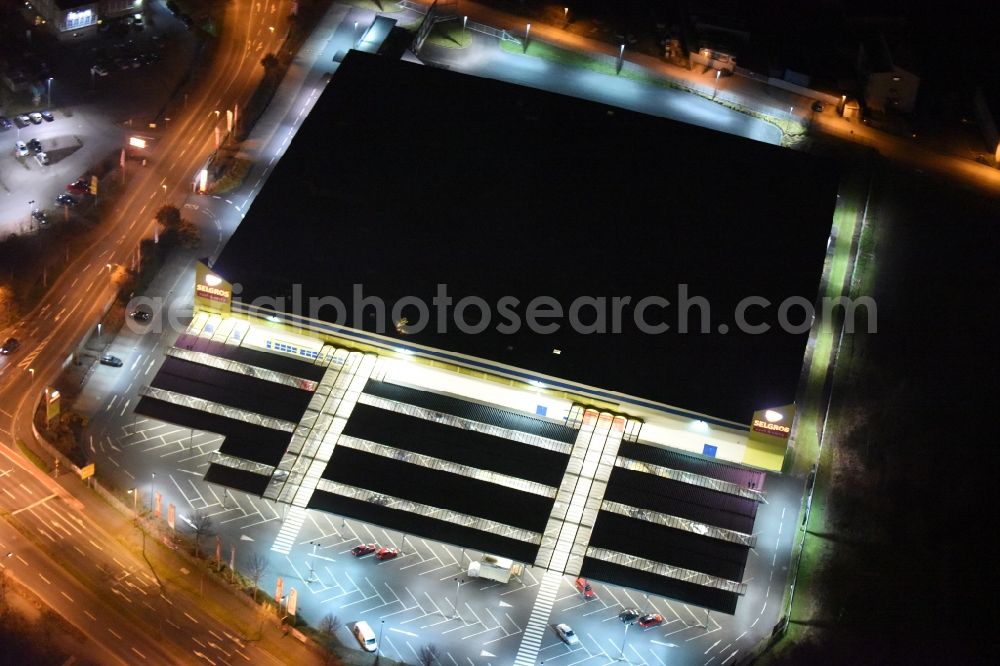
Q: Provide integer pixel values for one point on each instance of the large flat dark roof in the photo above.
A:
(403, 177)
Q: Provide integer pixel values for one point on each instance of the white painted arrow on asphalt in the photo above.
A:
(244, 537)
(484, 653)
(504, 604)
(664, 644)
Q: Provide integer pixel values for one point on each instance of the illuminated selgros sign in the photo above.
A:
(774, 421)
(777, 429)
(210, 290)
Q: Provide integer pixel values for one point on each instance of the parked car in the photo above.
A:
(585, 589)
(22, 121)
(140, 315)
(10, 346)
(650, 620)
(35, 145)
(100, 70)
(364, 549)
(43, 159)
(629, 616)
(47, 116)
(20, 149)
(79, 187)
(113, 361)
(40, 216)
(66, 200)
(5, 123)
(386, 553)
(365, 636)
(566, 634)
(35, 117)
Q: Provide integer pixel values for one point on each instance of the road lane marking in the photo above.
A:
(67, 596)
(32, 505)
(47, 581)
(190, 618)
(88, 614)
(115, 633)
(139, 653)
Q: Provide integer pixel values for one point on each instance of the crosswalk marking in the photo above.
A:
(289, 530)
(531, 639)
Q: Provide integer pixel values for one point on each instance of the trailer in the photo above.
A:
(495, 568)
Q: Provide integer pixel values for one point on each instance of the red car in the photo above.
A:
(386, 553)
(364, 549)
(79, 187)
(650, 620)
(585, 589)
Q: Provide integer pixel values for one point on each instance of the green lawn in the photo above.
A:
(385, 6)
(581, 60)
(806, 605)
(449, 35)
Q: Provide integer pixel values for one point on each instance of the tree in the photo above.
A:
(203, 526)
(169, 217)
(427, 655)
(256, 567)
(3, 592)
(176, 229)
(328, 626)
(270, 63)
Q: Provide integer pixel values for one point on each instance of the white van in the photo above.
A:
(365, 636)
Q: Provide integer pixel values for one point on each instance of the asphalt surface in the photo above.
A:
(415, 593)
(99, 585)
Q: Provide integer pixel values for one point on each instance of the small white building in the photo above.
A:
(886, 84)
(69, 15)
(986, 105)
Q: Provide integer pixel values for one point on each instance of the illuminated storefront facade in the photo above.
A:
(70, 15)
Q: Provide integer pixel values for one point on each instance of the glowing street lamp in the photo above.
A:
(527, 33)
(49, 93)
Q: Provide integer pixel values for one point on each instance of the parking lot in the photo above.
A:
(415, 593)
(93, 115)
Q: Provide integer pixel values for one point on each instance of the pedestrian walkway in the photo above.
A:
(538, 622)
(290, 527)
(579, 498)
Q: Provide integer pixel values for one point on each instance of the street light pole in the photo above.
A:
(30, 211)
(151, 486)
(49, 93)
(465, 19)
(378, 647)
(527, 33)
(458, 585)
(621, 58)
(624, 639)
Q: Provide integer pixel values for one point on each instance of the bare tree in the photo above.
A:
(3, 591)
(328, 626)
(256, 568)
(427, 655)
(203, 526)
